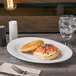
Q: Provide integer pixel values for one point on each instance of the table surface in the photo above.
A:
(67, 68)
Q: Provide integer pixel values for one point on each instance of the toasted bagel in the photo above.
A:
(31, 46)
(49, 53)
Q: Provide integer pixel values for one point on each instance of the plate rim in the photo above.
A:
(37, 61)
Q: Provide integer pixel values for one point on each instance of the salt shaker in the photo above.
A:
(13, 30)
(2, 36)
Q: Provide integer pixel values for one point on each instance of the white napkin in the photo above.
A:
(6, 67)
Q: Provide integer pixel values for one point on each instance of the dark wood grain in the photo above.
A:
(24, 11)
(32, 23)
(71, 11)
(67, 68)
(60, 9)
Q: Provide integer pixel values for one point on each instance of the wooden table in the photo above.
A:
(67, 68)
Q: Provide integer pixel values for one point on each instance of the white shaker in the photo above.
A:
(13, 30)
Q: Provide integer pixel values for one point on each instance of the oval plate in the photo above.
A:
(14, 46)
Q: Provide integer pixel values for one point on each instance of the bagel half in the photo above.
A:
(31, 46)
(46, 56)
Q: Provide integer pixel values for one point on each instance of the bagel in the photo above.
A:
(46, 52)
(31, 46)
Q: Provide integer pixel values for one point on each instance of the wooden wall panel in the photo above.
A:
(71, 11)
(21, 11)
(46, 1)
(33, 23)
(41, 1)
(34, 19)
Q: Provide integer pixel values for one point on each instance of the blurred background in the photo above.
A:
(37, 16)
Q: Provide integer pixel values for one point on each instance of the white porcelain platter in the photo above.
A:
(14, 46)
